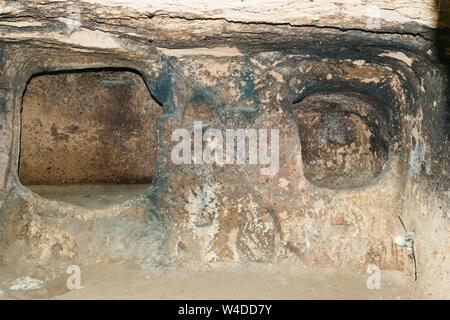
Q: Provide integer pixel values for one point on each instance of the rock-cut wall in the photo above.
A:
(357, 92)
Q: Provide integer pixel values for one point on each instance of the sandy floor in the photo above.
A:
(125, 281)
(92, 196)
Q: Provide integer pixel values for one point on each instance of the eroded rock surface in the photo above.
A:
(359, 102)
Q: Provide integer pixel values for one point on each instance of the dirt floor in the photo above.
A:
(251, 281)
(92, 196)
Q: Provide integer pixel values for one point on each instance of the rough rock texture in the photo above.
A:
(252, 66)
(99, 126)
(343, 143)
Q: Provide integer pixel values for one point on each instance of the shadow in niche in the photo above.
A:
(344, 140)
(88, 137)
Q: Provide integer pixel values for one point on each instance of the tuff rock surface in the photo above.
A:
(382, 101)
